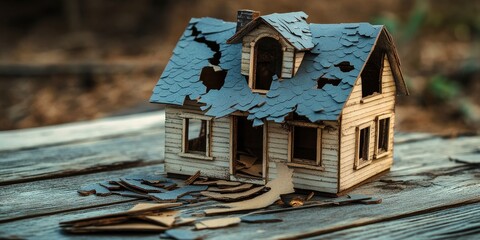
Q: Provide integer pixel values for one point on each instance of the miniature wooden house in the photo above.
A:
(243, 97)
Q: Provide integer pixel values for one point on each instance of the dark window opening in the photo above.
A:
(345, 66)
(215, 47)
(363, 145)
(248, 148)
(372, 74)
(212, 79)
(196, 136)
(268, 62)
(321, 82)
(305, 144)
(383, 134)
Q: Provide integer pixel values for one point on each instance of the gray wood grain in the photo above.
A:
(80, 131)
(85, 157)
(57, 195)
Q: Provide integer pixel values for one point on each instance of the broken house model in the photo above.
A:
(243, 97)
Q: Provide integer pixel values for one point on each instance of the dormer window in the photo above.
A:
(267, 62)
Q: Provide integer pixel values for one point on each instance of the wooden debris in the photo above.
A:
(232, 196)
(471, 158)
(217, 223)
(111, 186)
(181, 234)
(131, 194)
(255, 170)
(94, 188)
(122, 227)
(281, 185)
(192, 178)
(219, 183)
(137, 185)
(166, 218)
(173, 195)
(372, 201)
(260, 219)
(184, 221)
(150, 178)
(295, 200)
(239, 188)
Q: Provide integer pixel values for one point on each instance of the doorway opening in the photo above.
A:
(248, 149)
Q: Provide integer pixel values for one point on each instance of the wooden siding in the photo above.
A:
(248, 43)
(218, 168)
(356, 113)
(324, 181)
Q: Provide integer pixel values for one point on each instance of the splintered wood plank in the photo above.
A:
(56, 195)
(69, 159)
(81, 131)
(450, 223)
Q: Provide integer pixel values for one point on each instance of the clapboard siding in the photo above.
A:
(288, 61)
(357, 113)
(219, 167)
(325, 181)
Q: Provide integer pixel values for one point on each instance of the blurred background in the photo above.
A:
(70, 60)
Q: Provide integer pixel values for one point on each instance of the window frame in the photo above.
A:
(303, 163)
(378, 95)
(359, 162)
(184, 152)
(377, 154)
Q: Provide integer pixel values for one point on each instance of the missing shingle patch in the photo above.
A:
(321, 82)
(344, 66)
(212, 79)
(215, 47)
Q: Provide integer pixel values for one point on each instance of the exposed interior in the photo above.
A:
(212, 79)
(268, 62)
(196, 136)
(248, 148)
(372, 73)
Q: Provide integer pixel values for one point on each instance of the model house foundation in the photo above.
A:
(243, 97)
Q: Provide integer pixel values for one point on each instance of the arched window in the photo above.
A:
(267, 62)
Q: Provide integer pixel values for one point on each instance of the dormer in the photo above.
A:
(273, 46)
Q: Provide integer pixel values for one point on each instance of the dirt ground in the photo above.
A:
(65, 61)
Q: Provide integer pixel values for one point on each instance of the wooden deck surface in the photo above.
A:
(426, 195)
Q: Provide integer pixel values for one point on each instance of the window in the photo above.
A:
(268, 57)
(362, 155)
(305, 145)
(372, 74)
(383, 135)
(196, 136)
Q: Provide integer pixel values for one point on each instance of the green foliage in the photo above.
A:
(444, 88)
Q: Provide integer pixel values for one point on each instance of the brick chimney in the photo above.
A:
(245, 16)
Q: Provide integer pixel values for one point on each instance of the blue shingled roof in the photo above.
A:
(333, 44)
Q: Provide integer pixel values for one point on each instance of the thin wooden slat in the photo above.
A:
(81, 131)
(92, 156)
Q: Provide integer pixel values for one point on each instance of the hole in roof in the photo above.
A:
(215, 47)
(212, 79)
(345, 66)
(321, 82)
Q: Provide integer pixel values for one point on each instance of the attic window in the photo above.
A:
(321, 82)
(372, 74)
(267, 63)
(213, 79)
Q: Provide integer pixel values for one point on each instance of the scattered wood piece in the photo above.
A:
(139, 186)
(127, 193)
(239, 188)
(94, 188)
(150, 178)
(192, 178)
(260, 219)
(177, 193)
(123, 227)
(145, 207)
(471, 159)
(281, 185)
(255, 170)
(232, 196)
(296, 200)
(218, 183)
(217, 223)
(111, 186)
(372, 201)
(181, 234)
(184, 221)
(247, 160)
(166, 218)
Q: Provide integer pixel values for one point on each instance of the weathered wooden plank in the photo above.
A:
(81, 131)
(91, 156)
(26, 200)
(448, 223)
